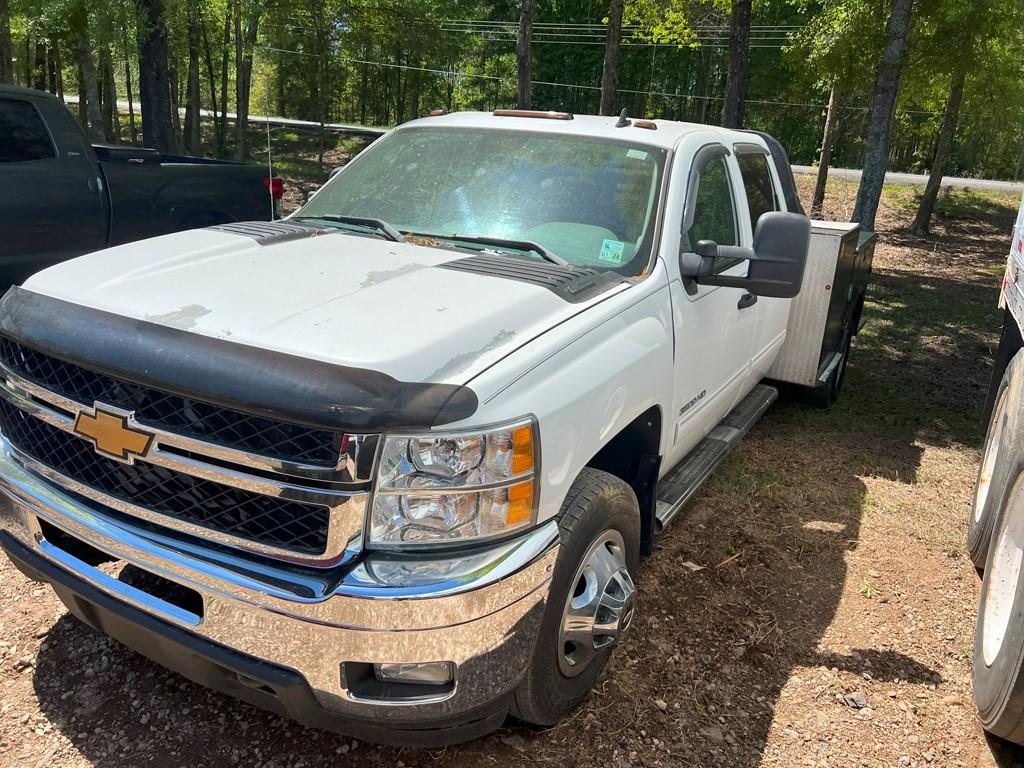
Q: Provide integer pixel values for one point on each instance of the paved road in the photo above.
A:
(360, 130)
(849, 174)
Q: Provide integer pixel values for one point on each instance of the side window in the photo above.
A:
(714, 210)
(757, 181)
(22, 133)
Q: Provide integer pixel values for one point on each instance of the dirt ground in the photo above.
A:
(815, 606)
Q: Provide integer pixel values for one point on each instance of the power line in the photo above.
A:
(711, 37)
(576, 86)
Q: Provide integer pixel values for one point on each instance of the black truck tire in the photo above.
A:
(999, 637)
(599, 510)
(825, 395)
(998, 457)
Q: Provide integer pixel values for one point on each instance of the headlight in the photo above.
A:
(448, 488)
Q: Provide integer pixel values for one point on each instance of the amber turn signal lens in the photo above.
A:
(522, 450)
(520, 503)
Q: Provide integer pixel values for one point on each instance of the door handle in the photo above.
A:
(747, 300)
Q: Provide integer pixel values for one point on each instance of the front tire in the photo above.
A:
(592, 597)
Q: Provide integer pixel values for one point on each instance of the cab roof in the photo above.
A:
(666, 134)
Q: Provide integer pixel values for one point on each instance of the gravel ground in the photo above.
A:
(814, 606)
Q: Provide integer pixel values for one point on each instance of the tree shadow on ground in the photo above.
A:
(738, 594)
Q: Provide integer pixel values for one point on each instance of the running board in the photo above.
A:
(682, 481)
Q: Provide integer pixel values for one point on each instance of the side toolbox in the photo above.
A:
(827, 312)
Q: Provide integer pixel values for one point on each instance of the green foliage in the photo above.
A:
(384, 61)
(663, 22)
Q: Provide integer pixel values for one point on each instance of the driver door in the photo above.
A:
(714, 326)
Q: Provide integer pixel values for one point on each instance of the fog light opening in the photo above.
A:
(399, 682)
(423, 673)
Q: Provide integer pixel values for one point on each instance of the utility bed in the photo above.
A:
(827, 313)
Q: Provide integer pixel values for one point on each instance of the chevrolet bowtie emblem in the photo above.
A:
(110, 433)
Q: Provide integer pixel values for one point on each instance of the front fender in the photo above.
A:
(585, 381)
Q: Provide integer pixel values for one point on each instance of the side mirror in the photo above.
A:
(311, 194)
(777, 259)
(700, 263)
(334, 172)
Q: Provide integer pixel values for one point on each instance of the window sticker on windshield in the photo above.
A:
(636, 154)
(611, 251)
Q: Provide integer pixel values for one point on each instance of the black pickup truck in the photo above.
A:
(61, 196)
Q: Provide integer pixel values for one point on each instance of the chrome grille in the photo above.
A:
(183, 415)
(270, 521)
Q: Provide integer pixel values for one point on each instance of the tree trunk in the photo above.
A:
(222, 124)
(51, 69)
(192, 100)
(611, 57)
(58, 67)
(6, 52)
(416, 79)
(39, 70)
(89, 93)
(399, 90)
(828, 140)
(154, 85)
(942, 147)
(363, 82)
(128, 87)
(883, 106)
(707, 75)
(243, 74)
(111, 123)
(523, 58)
(175, 91)
(739, 65)
(210, 73)
(83, 118)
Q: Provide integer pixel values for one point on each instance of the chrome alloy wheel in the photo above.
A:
(1003, 574)
(600, 605)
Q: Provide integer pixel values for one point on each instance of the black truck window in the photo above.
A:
(23, 136)
(714, 210)
(757, 181)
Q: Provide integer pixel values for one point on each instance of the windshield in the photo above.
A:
(592, 202)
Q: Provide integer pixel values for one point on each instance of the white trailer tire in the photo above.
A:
(997, 458)
(999, 637)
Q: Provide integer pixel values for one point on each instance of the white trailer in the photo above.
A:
(995, 535)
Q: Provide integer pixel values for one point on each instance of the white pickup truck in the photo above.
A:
(389, 466)
(995, 537)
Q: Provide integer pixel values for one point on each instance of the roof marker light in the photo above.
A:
(532, 113)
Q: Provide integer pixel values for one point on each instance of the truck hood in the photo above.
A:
(346, 299)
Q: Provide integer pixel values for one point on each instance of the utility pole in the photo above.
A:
(523, 60)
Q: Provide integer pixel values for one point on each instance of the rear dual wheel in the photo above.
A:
(827, 393)
(592, 598)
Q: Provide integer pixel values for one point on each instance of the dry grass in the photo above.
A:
(839, 535)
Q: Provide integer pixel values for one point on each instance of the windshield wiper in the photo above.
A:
(360, 221)
(528, 246)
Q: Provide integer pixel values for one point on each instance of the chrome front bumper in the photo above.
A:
(481, 612)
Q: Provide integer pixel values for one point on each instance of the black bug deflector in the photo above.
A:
(249, 379)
